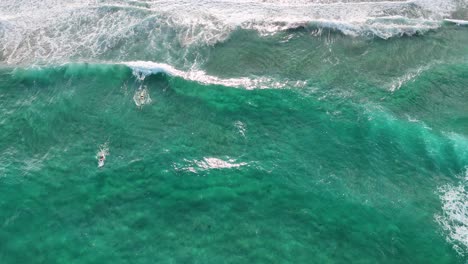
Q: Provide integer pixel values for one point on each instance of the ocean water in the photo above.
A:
(233, 131)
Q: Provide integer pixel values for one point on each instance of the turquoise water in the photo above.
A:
(230, 140)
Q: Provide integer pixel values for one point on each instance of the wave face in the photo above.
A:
(233, 131)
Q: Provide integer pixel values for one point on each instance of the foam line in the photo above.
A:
(141, 69)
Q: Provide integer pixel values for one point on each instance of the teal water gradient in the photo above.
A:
(345, 168)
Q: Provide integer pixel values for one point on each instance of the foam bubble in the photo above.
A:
(454, 216)
(409, 76)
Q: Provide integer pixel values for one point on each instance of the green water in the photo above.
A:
(347, 162)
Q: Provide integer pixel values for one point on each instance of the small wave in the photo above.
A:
(415, 120)
(141, 69)
(454, 216)
(208, 163)
(407, 77)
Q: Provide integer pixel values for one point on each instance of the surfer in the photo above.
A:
(101, 160)
(141, 97)
(102, 153)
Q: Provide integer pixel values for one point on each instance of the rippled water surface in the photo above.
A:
(233, 131)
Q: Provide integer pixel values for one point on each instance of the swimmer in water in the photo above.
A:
(102, 158)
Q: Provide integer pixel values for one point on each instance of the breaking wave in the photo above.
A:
(54, 30)
(141, 69)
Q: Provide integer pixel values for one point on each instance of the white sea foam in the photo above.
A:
(454, 216)
(454, 197)
(215, 163)
(384, 19)
(141, 97)
(208, 163)
(45, 30)
(141, 69)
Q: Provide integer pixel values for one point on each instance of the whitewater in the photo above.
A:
(221, 131)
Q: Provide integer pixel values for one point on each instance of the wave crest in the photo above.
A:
(56, 30)
(141, 69)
